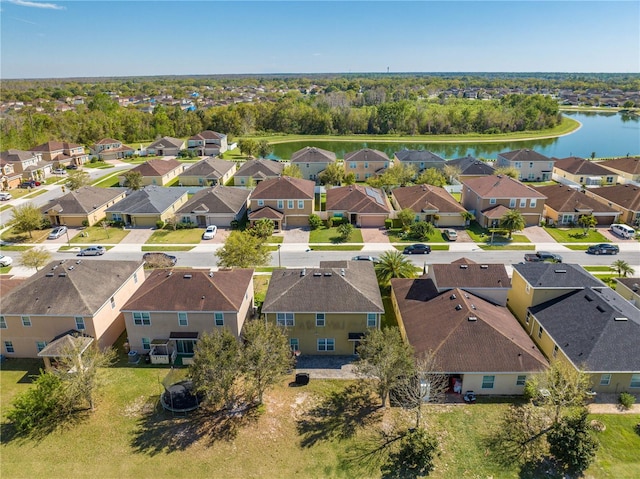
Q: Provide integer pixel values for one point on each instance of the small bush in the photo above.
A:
(329, 222)
(85, 223)
(159, 224)
(314, 221)
(235, 224)
(388, 223)
(637, 428)
(338, 220)
(627, 400)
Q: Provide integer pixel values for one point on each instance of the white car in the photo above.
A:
(59, 171)
(210, 232)
(5, 260)
(5, 196)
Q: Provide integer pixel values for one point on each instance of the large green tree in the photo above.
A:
(263, 228)
(133, 180)
(572, 443)
(333, 174)
(26, 218)
(292, 170)
(431, 176)
(393, 264)
(512, 221)
(406, 216)
(587, 222)
(78, 179)
(243, 250)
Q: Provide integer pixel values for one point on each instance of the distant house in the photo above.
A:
(629, 289)
(627, 169)
(62, 153)
(110, 149)
(208, 172)
(312, 161)
(173, 309)
(253, 172)
(531, 165)
(325, 310)
(165, 146)
(208, 143)
(363, 206)
(85, 206)
(625, 198)
(478, 344)
(578, 171)
(471, 167)
(284, 200)
(218, 206)
(9, 177)
(427, 201)
(144, 208)
(63, 296)
(565, 205)
(28, 164)
(420, 160)
(157, 172)
(490, 197)
(366, 163)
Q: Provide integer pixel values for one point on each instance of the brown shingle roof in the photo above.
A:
(261, 168)
(580, 166)
(311, 154)
(561, 198)
(166, 142)
(627, 196)
(208, 135)
(357, 199)
(266, 212)
(426, 198)
(500, 186)
(209, 168)
(469, 275)
(366, 154)
(187, 290)
(219, 199)
(84, 200)
(492, 342)
(524, 155)
(627, 164)
(55, 146)
(284, 188)
(13, 155)
(157, 167)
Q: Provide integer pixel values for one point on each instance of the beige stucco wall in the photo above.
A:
(361, 171)
(310, 171)
(609, 179)
(503, 384)
(76, 220)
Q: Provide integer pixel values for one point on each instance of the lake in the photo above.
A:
(605, 134)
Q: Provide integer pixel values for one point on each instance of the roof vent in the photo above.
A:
(458, 307)
(71, 268)
(453, 296)
(327, 273)
(473, 306)
(79, 261)
(342, 271)
(187, 276)
(49, 275)
(303, 272)
(560, 270)
(621, 318)
(464, 266)
(210, 274)
(484, 266)
(317, 273)
(588, 298)
(62, 275)
(473, 318)
(600, 308)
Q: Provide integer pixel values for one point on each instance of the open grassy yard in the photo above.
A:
(308, 432)
(484, 235)
(99, 234)
(331, 235)
(185, 236)
(12, 236)
(396, 235)
(575, 235)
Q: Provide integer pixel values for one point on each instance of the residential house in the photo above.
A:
(478, 344)
(253, 172)
(208, 143)
(110, 149)
(157, 172)
(9, 177)
(531, 165)
(174, 308)
(420, 160)
(218, 206)
(363, 206)
(627, 169)
(83, 295)
(312, 161)
(580, 172)
(625, 198)
(284, 200)
(325, 310)
(430, 203)
(470, 167)
(490, 197)
(82, 207)
(488, 281)
(145, 207)
(165, 146)
(62, 153)
(565, 205)
(28, 164)
(629, 289)
(208, 172)
(366, 163)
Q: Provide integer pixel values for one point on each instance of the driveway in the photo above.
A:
(296, 235)
(537, 234)
(138, 235)
(374, 235)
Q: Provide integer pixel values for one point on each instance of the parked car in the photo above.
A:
(5, 260)
(59, 171)
(623, 230)
(541, 256)
(92, 251)
(159, 259)
(417, 248)
(5, 196)
(72, 167)
(57, 232)
(373, 259)
(210, 232)
(29, 184)
(450, 234)
(603, 248)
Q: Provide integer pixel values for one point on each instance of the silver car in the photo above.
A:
(92, 251)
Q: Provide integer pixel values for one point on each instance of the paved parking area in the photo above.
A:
(537, 234)
(374, 235)
(296, 235)
(326, 367)
(138, 235)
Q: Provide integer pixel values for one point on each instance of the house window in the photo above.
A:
(532, 203)
(527, 288)
(294, 344)
(3, 323)
(366, 165)
(260, 202)
(8, 347)
(290, 204)
(523, 202)
(135, 278)
(367, 175)
(113, 302)
(492, 201)
(512, 203)
(218, 319)
(320, 319)
(518, 164)
(372, 320)
(540, 331)
(605, 379)
(40, 345)
(521, 379)
(285, 319)
(146, 344)
(183, 320)
(300, 204)
(26, 321)
(531, 176)
(555, 350)
(80, 323)
(528, 318)
(352, 165)
(531, 164)
(280, 204)
(326, 344)
(635, 381)
(550, 165)
(141, 318)
(609, 179)
(487, 382)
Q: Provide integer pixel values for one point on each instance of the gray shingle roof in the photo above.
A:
(552, 275)
(84, 200)
(209, 168)
(219, 199)
(166, 142)
(266, 168)
(420, 156)
(150, 200)
(471, 166)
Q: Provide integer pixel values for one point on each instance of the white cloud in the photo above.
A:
(25, 3)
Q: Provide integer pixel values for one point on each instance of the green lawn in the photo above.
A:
(396, 236)
(98, 165)
(12, 236)
(618, 456)
(5, 207)
(506, 247)
(483, 235)
(331, 235)
(5, 269)
(107, 181)
(275, 239)
(185, 236)
(5, 247)
(338, 247)
(575, 235)
(97, 234)
(166, 248)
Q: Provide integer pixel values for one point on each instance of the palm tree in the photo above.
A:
(512, 221)
(393, 264)
(622, 268)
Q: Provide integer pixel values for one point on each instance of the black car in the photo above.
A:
(417, 248)
(603, 248)
(72, 167)
(159, 259)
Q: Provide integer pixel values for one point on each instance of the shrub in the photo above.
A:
(627, 400)
(388, 223)
(235, 224)
(314, 221)
(46, 224)
(637, 428)
(85, 223)
(93, 160)
(329, 222)
(159, 224)
(338, 220)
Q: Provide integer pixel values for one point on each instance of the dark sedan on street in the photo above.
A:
(603, 248)
(417, 248)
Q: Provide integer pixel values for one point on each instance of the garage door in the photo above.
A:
(297, 221)
(371, 221)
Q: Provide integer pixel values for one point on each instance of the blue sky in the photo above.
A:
(44, 39)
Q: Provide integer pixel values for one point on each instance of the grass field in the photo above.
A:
(396, 236)
(98, 234)
(331, 235)
(12, 236)
(107, 181)
(185, 236)
(575, 235)
(166, 248)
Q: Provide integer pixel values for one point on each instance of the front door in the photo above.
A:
(201, 220)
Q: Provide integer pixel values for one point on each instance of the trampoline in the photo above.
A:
(180, 397)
